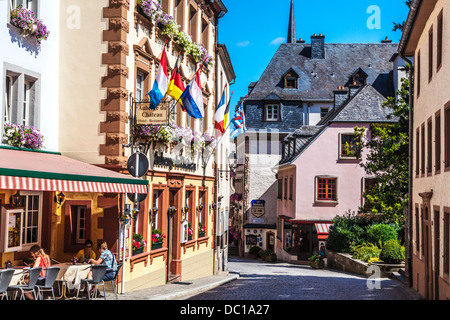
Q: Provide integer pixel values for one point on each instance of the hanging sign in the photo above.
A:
(258, 209)
(145, 115)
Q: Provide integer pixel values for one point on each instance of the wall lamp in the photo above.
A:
(59, 198)
(154, 211)
(172, 210)
(15, 199)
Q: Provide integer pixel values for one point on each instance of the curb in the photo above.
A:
(194, 291)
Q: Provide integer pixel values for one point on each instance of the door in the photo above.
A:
(305, 241)
(173, 237)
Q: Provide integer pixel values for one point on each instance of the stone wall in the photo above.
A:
(345, 262)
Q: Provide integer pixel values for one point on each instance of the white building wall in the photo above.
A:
(20, 55)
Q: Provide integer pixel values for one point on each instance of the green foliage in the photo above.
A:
(366, 252)
(254, 250)
(392, 252)
(387, 159)
(381, 233)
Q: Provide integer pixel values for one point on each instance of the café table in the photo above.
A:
(70, 276)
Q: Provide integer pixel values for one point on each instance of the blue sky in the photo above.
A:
(253, 30)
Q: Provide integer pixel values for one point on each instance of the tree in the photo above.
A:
(399, 26)
(387, 159)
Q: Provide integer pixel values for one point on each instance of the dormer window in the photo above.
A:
(290, 80)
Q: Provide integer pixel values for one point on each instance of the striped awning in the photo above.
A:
(322, 228)
(46, 171)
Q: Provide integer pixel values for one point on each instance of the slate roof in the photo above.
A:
(319, 77)
(365, 106)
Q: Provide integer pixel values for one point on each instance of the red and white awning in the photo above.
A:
(40, 184)
(50, 171)
(322, 228)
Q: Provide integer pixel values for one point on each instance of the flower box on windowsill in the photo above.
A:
(201, 234)
(157, 245)
(138, 251)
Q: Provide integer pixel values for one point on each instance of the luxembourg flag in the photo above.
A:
(161, 81)
(192, 97)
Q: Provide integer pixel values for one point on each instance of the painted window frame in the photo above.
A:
(273, 108)
(342, 154)
(317, 198)
(26, 245)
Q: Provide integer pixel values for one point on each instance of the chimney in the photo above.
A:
(300, 40)
(386, 40)
(317, 46)
(352, 89)
(340, 96)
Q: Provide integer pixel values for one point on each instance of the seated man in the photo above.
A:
(106, 257)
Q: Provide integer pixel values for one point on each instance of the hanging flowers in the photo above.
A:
(153, 10)
(26, 20)
(21, 136)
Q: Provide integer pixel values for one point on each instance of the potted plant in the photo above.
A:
(138, 244)
(20, 136)
(157, 239)
(254, 251)
(190, 231)
(263, 254)
(201, 230)
(29, 25)
(316, 261)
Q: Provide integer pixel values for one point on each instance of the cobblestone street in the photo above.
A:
(284, 281)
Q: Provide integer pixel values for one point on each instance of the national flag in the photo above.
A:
(192, 97)
(237, 124)
(176, 85)
(161, 82)
(219, 116)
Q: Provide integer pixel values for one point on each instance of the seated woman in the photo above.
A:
(42, 260)
(87, 253)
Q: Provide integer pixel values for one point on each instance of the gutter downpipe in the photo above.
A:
(410, 156)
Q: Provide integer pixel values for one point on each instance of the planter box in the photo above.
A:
(345, 262)
(157, 245)
(137, 251)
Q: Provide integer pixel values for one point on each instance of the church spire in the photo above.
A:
(292, 37)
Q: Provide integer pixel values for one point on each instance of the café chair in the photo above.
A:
(5, 279)
(50, 278)
(98, 273)
(114, 280)
(30, 286)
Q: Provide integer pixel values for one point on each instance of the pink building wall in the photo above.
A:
(321, 158)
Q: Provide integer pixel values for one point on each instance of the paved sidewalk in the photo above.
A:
(177, 290)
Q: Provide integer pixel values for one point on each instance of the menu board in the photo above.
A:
(11, 229)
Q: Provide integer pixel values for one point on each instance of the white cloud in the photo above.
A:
(243, 43)
(278, 40)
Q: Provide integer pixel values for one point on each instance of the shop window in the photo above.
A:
(326, 189)
(417, 234)
(202, 210)
(156, 207)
